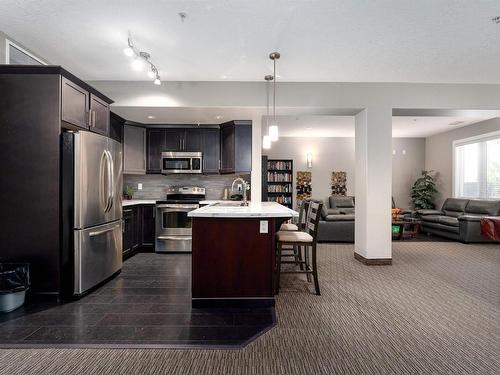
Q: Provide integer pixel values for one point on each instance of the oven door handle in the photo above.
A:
(175, 238)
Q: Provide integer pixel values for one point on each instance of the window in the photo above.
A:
(477, 167)
(17, 55)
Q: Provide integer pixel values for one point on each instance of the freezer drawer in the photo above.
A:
(98, 254)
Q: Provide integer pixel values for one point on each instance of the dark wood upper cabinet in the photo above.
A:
(193, 140)
(116, 124)
(236, 147)
(74, 104)
(211, 151)
(227, 149)
(99, 115)
(174, 139)
(83, 110)
(155, 145)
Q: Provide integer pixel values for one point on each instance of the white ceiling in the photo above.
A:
(297, 122)
(322, 40)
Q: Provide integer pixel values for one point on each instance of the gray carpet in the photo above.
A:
(434, 311)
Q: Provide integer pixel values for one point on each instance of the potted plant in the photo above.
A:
(128, 192)
(423, 190)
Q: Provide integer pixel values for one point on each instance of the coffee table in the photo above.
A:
(412, 226)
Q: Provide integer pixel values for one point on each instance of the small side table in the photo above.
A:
(399, 225)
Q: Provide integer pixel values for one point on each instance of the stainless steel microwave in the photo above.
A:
(181, 162)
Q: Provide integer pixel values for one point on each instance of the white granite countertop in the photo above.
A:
(255, 209)
(133, 202)
(212, 201)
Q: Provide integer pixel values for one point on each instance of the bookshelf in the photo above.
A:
(277, 184)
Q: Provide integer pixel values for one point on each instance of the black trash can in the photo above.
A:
(14, 282)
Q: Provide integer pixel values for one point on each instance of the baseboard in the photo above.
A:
(233, 302)
(373, 261)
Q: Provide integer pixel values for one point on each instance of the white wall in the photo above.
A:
(338, 154)
(439, 153)
(407, 164)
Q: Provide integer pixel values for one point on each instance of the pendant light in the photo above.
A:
(266, 140)
(273, 128)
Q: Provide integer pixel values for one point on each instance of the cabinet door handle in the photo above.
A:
(126, 211)
(89, 118)
(94, 113)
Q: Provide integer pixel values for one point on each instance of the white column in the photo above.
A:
(256, 183)
(373, 238)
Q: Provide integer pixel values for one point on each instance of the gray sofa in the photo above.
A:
(337, 220)
(459, 219)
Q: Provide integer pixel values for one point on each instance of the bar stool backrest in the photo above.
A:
(312, 220)
(303, 211)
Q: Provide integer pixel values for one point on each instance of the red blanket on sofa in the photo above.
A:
(490, 228)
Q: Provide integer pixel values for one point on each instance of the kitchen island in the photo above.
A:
(233, 255)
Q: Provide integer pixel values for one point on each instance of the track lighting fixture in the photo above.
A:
(141, 60)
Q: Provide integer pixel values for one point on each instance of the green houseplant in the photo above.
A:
(423, 190)
(128, 192)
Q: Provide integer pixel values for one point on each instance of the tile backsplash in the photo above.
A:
(154, 185)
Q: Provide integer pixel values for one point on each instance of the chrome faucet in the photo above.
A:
(245, 184)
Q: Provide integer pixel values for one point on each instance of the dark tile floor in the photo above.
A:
(147, 305)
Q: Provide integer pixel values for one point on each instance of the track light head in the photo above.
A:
(128, 51)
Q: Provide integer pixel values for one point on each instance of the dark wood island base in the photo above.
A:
(233, 262)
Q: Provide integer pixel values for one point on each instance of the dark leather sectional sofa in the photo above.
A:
(459, 219)
(337, 220)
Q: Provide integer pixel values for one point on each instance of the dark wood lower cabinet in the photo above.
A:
(148, 227)
(138, 229)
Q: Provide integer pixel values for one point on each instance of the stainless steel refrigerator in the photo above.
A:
(95, 179)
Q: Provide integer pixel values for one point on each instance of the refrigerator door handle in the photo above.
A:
(111, 180)
(103, 194)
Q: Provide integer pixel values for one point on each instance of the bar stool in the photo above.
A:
(300, 223)
(296, 251)
(306, 239)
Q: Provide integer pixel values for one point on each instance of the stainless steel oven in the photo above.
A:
(173, 226)
(181, 162)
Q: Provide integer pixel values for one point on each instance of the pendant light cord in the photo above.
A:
(274, 92)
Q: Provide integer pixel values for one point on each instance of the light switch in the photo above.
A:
(139, 186)
(264, 227)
